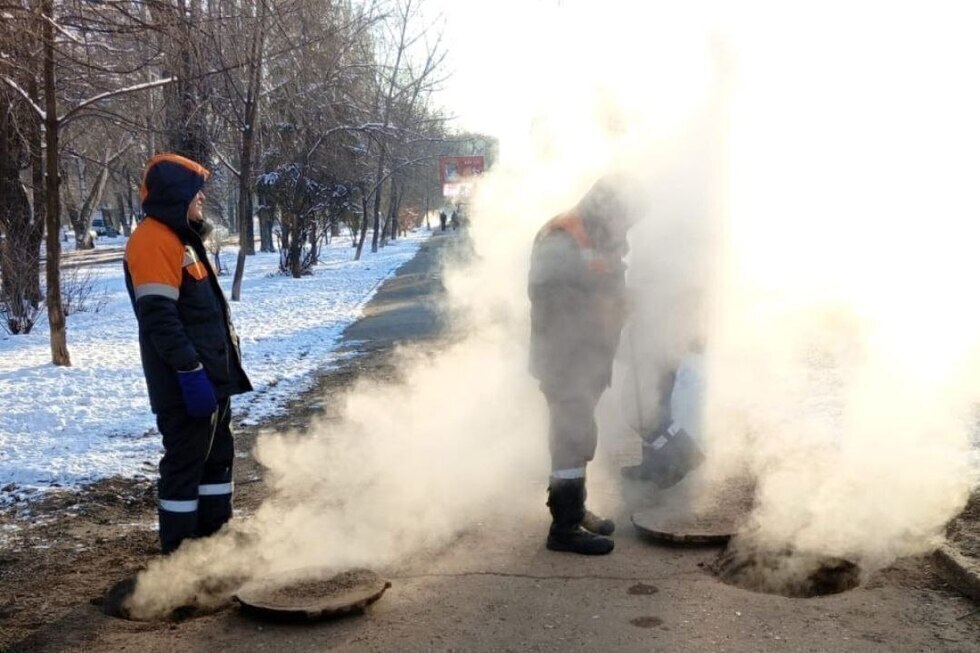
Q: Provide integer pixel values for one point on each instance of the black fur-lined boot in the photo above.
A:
(669, 455)
(598, 525)
(566, 499)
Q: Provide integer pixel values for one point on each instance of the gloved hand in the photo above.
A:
(198, 392)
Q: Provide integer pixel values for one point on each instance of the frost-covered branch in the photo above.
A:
(226, 163)
(115, 93)
(27, 98)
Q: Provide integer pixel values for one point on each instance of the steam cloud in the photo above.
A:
(813, 220)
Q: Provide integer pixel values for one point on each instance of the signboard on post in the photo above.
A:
(459, 173)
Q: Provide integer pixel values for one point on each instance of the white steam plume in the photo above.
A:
(843, 355)
(813, 180)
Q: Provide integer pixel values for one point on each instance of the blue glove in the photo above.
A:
(198, 392)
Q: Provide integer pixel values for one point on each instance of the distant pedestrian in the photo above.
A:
(189, 348)
(442, 220)
(577, 289)
(454, 220)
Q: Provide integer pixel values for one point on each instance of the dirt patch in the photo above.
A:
(285, 599)
(65, 550)
(52, 563)
(306, 592)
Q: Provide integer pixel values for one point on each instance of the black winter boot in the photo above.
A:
(668, 456)
(598, 525)
(566, 499)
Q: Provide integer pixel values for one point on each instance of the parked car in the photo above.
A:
(102, 228)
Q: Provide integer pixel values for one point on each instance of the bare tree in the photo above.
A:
(404, 92)
(81, 198)
(21, 226)
(238, 103)
(63, 31)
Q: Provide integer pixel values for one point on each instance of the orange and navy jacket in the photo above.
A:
(182, 313)
(572, 224)
(578, 306)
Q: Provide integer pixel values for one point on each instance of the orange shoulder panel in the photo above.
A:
(571, 224)
(154, 254)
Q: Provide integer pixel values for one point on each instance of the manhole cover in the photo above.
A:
(710, 529)
(308, 595)
(680, 518)
(784, 572)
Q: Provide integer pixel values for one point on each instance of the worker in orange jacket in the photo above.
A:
(578, 299)
(189, 349)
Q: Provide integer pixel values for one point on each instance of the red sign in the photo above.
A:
(460, 169)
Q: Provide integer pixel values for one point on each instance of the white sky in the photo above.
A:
(515, 60)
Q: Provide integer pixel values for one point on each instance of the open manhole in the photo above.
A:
(785, 572)
(308, 595)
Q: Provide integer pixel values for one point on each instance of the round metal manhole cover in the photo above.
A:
(690, 529)
(310, 595)
(680, 518)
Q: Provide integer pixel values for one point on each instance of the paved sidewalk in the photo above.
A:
(406, 307)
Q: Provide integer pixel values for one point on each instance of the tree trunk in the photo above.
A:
(295, 249)
(377, 201)
(35, 146)
(19, 256)
(56, 313)
(133, 213)
(246, 218)
(265, 234)
(123, 216)
(228, 208)
(364, 222)
(314, 244)
(390, 230)
(246, 235)
(266, 243)
(79, 227)
(246, 229)
(94, 197)
(383, 143)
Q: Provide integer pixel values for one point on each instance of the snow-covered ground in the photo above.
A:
(64, 426)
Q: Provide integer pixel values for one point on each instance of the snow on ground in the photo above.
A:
(67, 426)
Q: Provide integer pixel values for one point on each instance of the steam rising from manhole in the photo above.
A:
(785, 572)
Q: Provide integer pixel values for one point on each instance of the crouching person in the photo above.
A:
(189, 349)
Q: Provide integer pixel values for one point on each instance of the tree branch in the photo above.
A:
(108, 94)
(226, 163)
(27, 98)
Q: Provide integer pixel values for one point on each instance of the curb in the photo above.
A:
(960, 571)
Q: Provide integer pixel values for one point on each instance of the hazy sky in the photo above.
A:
(515, 62)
